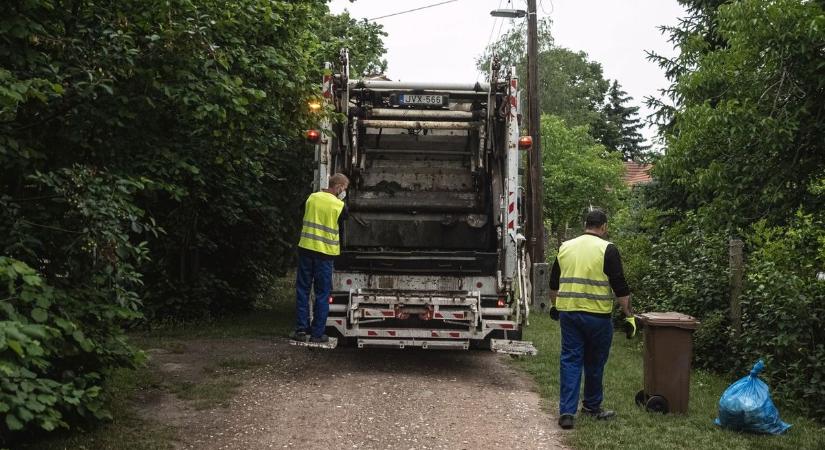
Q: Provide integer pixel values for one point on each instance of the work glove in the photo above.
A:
(630, 327)
(554, 313)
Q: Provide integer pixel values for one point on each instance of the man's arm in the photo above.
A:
(555, 275)
(615, 274)
(343, 216)
(624, 302)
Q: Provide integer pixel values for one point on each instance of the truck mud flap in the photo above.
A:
(518, 348)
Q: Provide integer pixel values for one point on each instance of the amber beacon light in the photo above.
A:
(313, 136)
(525, 142)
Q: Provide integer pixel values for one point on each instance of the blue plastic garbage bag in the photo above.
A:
(746, 405)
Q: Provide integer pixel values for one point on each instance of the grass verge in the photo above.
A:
(208, 394)
(127, 430)
(636, 429)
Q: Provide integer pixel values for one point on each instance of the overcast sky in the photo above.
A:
(442, 42)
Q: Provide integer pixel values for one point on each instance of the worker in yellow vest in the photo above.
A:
(319, 244)
(586, 278)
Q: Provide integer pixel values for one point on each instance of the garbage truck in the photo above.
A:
(433, 249)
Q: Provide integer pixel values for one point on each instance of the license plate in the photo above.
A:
(422, 99)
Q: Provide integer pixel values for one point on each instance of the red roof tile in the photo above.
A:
(637, 173)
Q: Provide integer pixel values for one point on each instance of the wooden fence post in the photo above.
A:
(737, 263)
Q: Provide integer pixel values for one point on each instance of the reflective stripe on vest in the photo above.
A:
(583, 285)
(320, 227)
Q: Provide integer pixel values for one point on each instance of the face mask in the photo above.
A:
(342, 195)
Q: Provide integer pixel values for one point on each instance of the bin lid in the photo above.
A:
(669, 319)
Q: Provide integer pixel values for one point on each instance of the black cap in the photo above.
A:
(595, 218)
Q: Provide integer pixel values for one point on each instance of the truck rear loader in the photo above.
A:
(432, 252)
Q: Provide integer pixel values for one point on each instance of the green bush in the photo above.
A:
(631, 229)
(175, 126)
(688, 271)
(206, 98)
(61, 323)
(783, 311)
(55, 351)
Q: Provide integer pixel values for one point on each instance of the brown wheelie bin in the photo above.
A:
(668, 352)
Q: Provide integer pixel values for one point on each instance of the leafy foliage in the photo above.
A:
(137, 128)
(745, 157)
(571, 86)
(55, 349)
(578, 173)
(363, 39)
(620, 130)
(682, 266)
(782, 310)
(746, 141)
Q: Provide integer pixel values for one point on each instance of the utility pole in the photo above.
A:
(536, 230)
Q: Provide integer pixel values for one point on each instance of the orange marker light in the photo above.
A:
(525, 142)
(313, 136)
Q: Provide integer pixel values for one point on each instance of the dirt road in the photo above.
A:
(282, 396)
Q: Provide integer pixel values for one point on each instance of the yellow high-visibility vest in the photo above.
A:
(583, 285)
(320, 230)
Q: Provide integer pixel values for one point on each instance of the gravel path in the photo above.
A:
(294, 397)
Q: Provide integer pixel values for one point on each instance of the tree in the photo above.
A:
(697, 31)
(621, 126)
(570, 85)
(511, 49)
(743, 125)
(151, 157)
(745, 139)
(578, 173)
(362, 38)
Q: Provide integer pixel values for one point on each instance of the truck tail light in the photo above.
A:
(500, 302)
(331, 299)
(313, 136)
(525, 142)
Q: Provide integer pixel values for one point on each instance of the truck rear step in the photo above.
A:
(332, 343)
(509, 347)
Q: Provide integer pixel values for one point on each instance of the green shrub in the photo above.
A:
(688, 271)
(55, 352)
(712, 342)
(61, 323)
(782, 307)
(783, 311)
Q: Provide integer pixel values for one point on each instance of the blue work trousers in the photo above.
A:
(313, 271)
(585, 343)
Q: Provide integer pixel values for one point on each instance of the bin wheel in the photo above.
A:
(641, 398)
(658, 404)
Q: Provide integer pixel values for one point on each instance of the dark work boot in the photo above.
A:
(598, 413)
(320, 339)
(300, 336)
(567, 421)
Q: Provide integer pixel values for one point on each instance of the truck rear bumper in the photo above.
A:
(423, 343)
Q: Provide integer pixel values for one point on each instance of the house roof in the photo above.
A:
(637, 173)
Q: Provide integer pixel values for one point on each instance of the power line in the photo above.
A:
(493, 28)
(411, 10)
(490, 38)
(552, 7)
